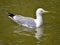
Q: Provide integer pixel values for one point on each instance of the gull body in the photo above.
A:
(28, 21)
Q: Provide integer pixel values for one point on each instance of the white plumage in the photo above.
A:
(27, 21)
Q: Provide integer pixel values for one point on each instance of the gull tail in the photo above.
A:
(10, 15)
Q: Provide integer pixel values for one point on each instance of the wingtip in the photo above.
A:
(10, 14)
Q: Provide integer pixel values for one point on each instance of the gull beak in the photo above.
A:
(46, 11)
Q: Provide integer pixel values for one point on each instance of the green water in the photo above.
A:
(13, 34)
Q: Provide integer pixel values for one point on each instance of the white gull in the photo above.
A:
(28, 21)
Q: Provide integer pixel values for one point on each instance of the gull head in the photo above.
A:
(40, 11)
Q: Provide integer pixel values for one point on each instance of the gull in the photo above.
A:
(28, 21)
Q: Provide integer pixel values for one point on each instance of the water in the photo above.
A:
(13, 34)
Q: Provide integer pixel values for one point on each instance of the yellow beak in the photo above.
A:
(46, 11)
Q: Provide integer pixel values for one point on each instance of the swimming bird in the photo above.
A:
(28, 21)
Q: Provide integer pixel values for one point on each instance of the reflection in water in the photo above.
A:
(23, 31)
(39, 32)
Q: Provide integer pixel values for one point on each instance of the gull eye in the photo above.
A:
(41, 10)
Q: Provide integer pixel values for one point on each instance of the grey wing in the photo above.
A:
(30, 22)
(26, 21)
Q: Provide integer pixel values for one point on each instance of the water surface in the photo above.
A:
(13, 34)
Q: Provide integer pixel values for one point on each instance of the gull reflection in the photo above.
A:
(38, 33)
